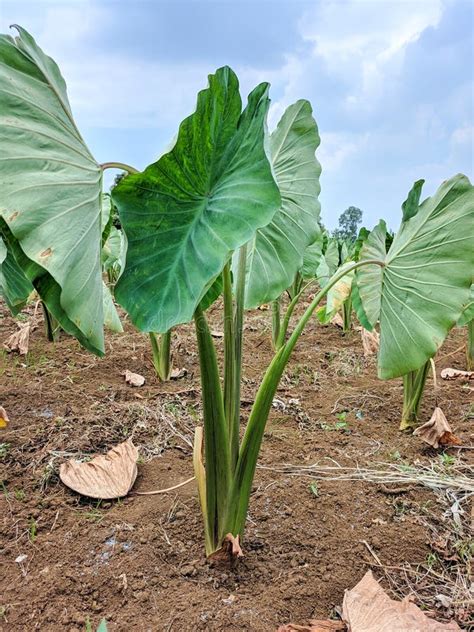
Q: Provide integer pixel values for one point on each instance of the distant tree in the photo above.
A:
(349, 223)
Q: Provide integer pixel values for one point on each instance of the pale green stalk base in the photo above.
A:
(413, 387)
(161, 352)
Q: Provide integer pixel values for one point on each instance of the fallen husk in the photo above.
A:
(370, 342)
(19, 341)
(106, 476)
(4, 421)
(437, 431)
(456, 374)
(368, 608)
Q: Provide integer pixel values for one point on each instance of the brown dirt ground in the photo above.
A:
(139, 562)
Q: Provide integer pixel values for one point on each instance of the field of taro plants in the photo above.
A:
(215, 415)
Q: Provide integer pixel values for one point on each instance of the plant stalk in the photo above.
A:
(347, 314)
(216, 436)
(470, 346)
(252, 440)
(52, 326)
(413, 387)
(118, 165)
(276, 322)
(161, 352)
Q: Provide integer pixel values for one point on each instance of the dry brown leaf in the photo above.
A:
(456, 374)
(4, 421)
(106, 476)
(337, 321)
(370, 341)
(368, 608)
(315, 625)
(20, 339)
(229, 551)
(134, 379)
(437, 431)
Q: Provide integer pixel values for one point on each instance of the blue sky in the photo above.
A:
(391, 82)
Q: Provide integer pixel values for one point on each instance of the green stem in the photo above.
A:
(250, 447)
(118, 165)
(238, 336)
(413, 387)
(289, 312)
(161, 351)
(470, 346)
(347, 314)
(52, 326)
(276, 322)
(216, 436)
(229, 347)
(295, 287)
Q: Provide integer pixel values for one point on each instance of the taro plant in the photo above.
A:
(423, 287)
(223, 212)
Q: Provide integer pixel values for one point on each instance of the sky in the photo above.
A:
(391, 82)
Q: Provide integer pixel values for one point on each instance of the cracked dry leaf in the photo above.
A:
(456, 374)
(106, 476)
(4, 421)
(134, 379)
(437, 431)
(177, 374)
(370, 342)
(19, 341)
(368, 608)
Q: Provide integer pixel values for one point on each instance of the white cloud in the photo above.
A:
(362, 42)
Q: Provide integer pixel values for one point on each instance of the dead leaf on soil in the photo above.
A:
(217, 334)
(134, 379)
(456, 374)
(106, 476)
(437, 431)
(370, 342)
(315, 625)
(4, 421)
(177, 374)
(19, 341)
(229, 551)
(337, 321)
(368, 608)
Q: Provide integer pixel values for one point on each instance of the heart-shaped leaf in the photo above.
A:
(276, 252)
(186, 213)
(50, 189)
(424, 285)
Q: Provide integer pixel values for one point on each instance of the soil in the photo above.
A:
(139, 562)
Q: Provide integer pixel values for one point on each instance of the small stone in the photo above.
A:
(188, 570)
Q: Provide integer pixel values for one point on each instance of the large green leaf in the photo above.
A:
(14, 285)
(468, 311)
(424, 285)
(185, 213)
(50, 185)
(312, 258)
(276, 253)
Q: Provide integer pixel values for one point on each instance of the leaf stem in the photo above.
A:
(252, 440)
(118, 165)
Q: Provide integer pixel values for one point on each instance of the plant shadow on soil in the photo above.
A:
(139, 562)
